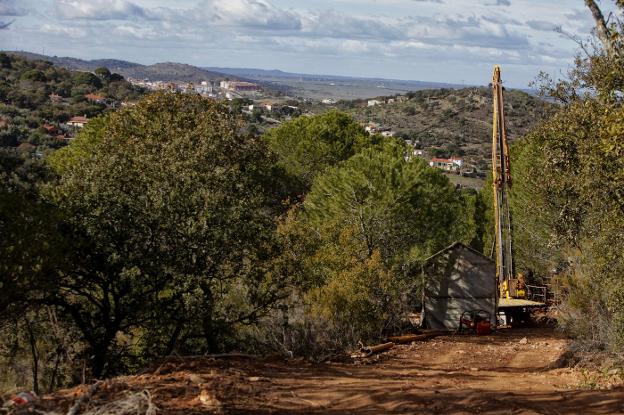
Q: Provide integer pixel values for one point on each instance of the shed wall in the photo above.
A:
(458, 280)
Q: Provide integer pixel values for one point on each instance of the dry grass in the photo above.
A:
(131, 404)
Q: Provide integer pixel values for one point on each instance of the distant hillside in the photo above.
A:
(167, 71)
(37, 98)
(256, 73)
(170, 71)
(75, 64)
(111, 64)
(300, 86)
(450, 122)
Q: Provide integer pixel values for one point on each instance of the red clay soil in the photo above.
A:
(510, 372)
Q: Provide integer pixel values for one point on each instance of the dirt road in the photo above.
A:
(511, 372)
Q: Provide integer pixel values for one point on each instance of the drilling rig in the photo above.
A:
(509, 286)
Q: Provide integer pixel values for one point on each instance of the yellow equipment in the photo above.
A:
(501, 184)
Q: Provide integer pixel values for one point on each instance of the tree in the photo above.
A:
(5, 61)
(570, 172)
(362, 232)
(34, 75)
(605, 34)
(27, 89)
(395, 204)
(596, 67)
(307, 146)
(30, 247)
(168, 208)
(103, 73)
(115, 77)
(475, 221)
(87, 78)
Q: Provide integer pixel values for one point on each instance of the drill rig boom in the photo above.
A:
(501, 183)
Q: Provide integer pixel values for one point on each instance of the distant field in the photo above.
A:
(319, 87)
(348, 89)
(470, 182)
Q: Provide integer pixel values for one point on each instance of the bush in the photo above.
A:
(365, 296)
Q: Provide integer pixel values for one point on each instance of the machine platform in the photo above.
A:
(504, 303)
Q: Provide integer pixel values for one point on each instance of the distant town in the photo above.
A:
(442, 124)
(209, 89)
(256, 104)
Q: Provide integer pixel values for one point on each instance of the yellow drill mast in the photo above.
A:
(501, 183)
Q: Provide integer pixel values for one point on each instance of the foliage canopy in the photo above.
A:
(306, 146)
(170, 205)
(570, 171)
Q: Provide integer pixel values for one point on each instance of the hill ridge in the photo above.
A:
(160, 71)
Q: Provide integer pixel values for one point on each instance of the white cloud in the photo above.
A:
(330, 23)
(256, 14)
(72, 32)
(98, 9)
(541, 25)
(136, 31)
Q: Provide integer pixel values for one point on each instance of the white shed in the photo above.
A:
(457, 279)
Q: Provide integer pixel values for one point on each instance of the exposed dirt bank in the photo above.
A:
(511, 372)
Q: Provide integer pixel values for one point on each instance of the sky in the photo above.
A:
(454, 41)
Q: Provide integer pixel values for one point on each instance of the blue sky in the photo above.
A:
(431, 40)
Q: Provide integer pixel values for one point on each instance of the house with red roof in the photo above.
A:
(78, 122)
(50, 129)
(453, 164)
(97, 98)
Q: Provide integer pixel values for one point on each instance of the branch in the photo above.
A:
(575, 39)
(602, 31)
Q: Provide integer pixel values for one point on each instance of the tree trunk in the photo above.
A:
(602, 31)
(35, 357)
(207, 318)
(100, 352)
(99, 360)
(52, 383)
(173, 340)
